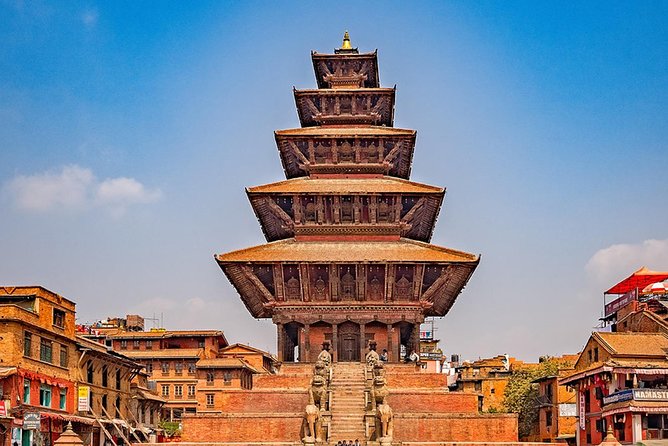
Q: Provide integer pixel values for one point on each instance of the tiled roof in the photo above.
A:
(634, 344)
(324, 131)
(166, 353)
(165, 334)
(404, 250)
(245, 347)
(224, 363)
(346, 186)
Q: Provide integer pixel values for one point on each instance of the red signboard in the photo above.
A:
(620, 302)
(4, 409)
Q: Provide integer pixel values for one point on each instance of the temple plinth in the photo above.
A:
(348, 260)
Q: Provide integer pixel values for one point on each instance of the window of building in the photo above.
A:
(595, 354)
(548, 418)
(165, 367)
(165, 390)
(124, 344)
(149, 367)
(209, 399)
(191, 390)
(191, 368)
(117, 405)
(26, 390)
(601, 425)
(591, 357)
(45, 395)
(63, 399)
(227, 377)
(105, 402)
(478, 386)
(548, 392)
(135, 344)
(149, 344)
(89, 372)
(209, 378)
(118, 379)
(178, 368)
(200, 343)
(178, 391)
(63, 356)
(587, 395)
(105, 376)
(27, 344)
(46, 350)
(58, 318)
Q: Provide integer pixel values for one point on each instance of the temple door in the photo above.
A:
(349, 342)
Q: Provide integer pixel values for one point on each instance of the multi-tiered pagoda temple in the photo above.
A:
(348, 259)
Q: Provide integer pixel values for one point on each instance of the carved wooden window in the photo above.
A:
(346, 152)
(385, 209)
(375, 279)
(347, 282)
(309, 209)
(265, 272)
(291, 283)
(347, 209)
(403, 282)
(431, 273)
(319, 277)
(370, 152)
(322, 152)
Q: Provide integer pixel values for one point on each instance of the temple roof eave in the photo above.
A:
(345, 186)
(402, 251)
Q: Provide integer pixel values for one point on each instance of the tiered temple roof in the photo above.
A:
(348, 232)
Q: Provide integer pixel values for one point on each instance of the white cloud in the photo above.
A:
(76, 188)
(614, 263)
(89, 18)
(118, 193)
(47, 191)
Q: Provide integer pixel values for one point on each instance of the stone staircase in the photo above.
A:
(347, 403)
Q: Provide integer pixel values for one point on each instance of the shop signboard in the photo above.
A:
(31, 421)
(620, 302)
(581, 411)
(83, 399)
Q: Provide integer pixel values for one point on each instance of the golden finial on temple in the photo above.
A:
(346, 42)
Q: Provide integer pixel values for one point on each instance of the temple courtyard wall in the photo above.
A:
(273, 411)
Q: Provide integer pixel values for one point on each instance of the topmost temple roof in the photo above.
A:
(346, 67)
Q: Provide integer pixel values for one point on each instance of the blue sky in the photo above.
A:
(129, 130)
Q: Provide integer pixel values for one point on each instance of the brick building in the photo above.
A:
(621, 380)
(487, 378)
(556, 407)
(45, 368)
(170, 358)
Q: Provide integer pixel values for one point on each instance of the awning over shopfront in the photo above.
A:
(7, 371)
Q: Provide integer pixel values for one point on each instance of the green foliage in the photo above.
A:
(171, 428)
(521, 396)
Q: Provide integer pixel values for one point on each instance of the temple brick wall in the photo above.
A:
(455, 427)
(417, 380)
(249, 427)
(259, 401)
(291, 381)
(429, 401)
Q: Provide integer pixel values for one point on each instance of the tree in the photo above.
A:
(521, 395)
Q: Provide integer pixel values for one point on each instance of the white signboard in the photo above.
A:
(567, 410)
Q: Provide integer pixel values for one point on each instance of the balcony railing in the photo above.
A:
(636, 395)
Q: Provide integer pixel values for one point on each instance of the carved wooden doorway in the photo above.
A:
(349, 342)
